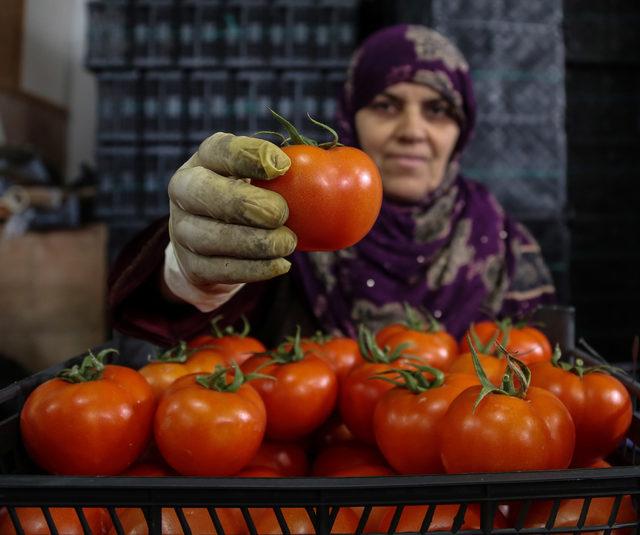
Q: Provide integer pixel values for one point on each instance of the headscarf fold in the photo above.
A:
(455, 253)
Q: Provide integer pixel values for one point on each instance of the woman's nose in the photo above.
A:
(412, 126)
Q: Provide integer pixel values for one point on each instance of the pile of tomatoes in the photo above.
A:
(409, 399)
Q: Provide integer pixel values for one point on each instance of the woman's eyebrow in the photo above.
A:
(428, 100)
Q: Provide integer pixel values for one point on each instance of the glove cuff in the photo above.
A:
(180, 286)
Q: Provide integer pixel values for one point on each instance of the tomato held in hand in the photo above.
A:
(334, 194)
(92, 419)
(599, 404)
(210, 425)
(512, 428)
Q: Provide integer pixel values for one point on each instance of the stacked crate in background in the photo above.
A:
(172, 72)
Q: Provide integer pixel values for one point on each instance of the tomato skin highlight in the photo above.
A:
(334, 195)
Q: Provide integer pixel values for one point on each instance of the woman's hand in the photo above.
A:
(223, 229)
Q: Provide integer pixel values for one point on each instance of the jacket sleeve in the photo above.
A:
(137, 307)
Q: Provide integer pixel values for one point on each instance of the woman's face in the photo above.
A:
(410, 133)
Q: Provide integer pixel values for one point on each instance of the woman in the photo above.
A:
(441, 242)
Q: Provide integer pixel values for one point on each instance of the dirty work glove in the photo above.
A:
(223, 230)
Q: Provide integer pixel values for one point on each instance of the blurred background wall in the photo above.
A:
(558, 85)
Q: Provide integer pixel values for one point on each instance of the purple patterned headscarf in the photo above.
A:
(455, 253)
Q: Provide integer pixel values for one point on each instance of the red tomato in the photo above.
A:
(345, 456)
(148, 470)
(97, 426)
(66, 519)
(444, 516)
(429, 341)
(361, 390)
(494, 367)
(524, 342)
(299, 522)
(506, 432)
(406, 420)
(570, 510)
(177, 362)
(212, 430)
(333, 431)
(134, 522)
(376, 514)
(259, 471)
(235, 346)
(342, 354)
(302, 396)
(334, 195)
(288, 458)
(599, 404)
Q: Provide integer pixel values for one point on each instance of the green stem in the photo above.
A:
(90, 369)
(218, 379)
(372, 352)
(413, 380)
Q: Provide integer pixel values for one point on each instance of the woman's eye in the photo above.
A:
(383, 106)
(438, 110)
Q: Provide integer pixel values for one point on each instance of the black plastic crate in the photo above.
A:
(154, 41)
(22, 485)
(162, 106)
(118, 193)
(159, 163)
(200, 33)
(108, 34)
(209, 104)
(119, 98)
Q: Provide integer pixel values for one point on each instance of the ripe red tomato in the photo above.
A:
(429, 339)
(361, 390)
(298, 522)
(444, 516)
(93, 419)
(302, 396)
(177, 362)
(524, 342)
(599, 404)
(570, 510)
(341, 353)
(134, 522)
(288, 458)
(494, 367)
(209, 425)
(345, 456)
(33, 521)
(407, 419)
(235, 346)
(333, 431)
(507, 432)
(334, 195)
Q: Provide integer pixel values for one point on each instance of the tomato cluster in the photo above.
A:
(408, 399)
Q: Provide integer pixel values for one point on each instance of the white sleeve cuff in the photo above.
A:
(180, 286)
